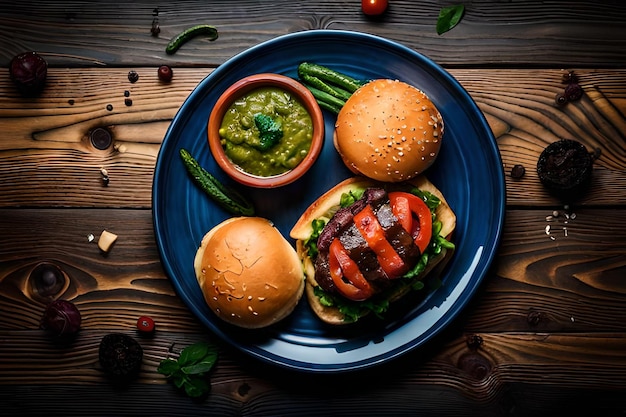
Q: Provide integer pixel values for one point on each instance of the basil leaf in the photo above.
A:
(198, 368)
(449, 17)
(197, 387)
(168, 367)
(193, 353)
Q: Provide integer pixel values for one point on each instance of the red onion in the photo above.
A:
(61, 318)
(29, 71)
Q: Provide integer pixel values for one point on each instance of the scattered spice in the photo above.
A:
(155, 29)
(518, 171)
(109, 107)
(133, 76)
(474, 341)
(165, 73)
(105, 176)
(126, 93)
(128, 102)
(573, 92)
(560, 99)
(569, 77)
(559, 220)
(90, 237)
(70, 102)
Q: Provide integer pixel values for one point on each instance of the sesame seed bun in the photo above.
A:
(250, 275)
(389, 131)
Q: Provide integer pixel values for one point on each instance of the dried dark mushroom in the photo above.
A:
(564, 168)
(120, 355)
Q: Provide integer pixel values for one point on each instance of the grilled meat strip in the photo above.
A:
(342, 226)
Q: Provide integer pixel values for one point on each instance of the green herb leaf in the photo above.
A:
(193, 353)
(449, 17)
(168, 367)
(198, 368)
(197, 387)
(190, 371)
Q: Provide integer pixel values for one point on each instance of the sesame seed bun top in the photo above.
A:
(389, 131)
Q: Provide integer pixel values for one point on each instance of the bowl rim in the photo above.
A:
(243, 86)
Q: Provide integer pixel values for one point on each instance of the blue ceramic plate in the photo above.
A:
(468, 171)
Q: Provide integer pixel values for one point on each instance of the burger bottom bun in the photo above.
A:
(250, 275)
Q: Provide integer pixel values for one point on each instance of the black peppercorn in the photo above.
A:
(518, 171)
(133, 77)
(128, 102)
(165, 73)
(573, 92)
(560, 99)
(570, 77)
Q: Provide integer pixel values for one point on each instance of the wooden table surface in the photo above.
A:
(550, 315)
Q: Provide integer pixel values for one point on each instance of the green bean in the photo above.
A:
(312, 81)
(229, 199)
(327, 101)
(326, 74)
(178, 40)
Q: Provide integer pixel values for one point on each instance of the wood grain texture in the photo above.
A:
(544, 335)
(47, 159)
(506, 33)
(469, 381)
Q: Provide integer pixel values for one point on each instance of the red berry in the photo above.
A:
(145, 324)
(165, 73)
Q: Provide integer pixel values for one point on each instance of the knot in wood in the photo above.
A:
(100, 138)
(475, 365)
(47, 281)
(533, 318)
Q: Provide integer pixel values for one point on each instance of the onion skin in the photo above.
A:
(61, 318)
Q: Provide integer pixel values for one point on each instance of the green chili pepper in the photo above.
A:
(178, 40)
(227, 198)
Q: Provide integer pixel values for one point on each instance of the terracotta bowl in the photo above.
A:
(244, 86)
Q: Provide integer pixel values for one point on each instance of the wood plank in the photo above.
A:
(46, 157)
(483, 378)
(556, 34)
(535, 285)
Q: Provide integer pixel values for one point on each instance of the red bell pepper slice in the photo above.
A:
(414, 216)
(346, 275)
(373, 233)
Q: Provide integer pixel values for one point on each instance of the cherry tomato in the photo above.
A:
(374, 7)
(145, 324)
(414, 216)
(345, 273)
